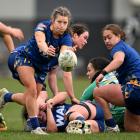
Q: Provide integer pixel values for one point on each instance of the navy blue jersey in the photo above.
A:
(131, 65)
(58, 113)
(32, 51)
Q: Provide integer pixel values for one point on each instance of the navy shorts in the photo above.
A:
(19, 59)
(100, 117)
(131, 94)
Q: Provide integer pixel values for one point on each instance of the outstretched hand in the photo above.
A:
(17, 33)
(99, 79)
(49, 51)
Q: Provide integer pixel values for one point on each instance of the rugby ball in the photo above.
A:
(67, 60)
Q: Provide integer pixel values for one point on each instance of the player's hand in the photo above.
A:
(74, 48)
(17, 33)
(75, 101)
(43, 106)
(99, 79)
(42, 116)
(50, 102)
(49, 51)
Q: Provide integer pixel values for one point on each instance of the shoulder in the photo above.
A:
(45, 22)
(66, 36)
(43, 25)
(120, 46)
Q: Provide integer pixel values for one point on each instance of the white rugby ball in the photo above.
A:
(67, 60)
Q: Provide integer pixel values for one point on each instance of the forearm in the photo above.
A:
(59, 98)
(40, 39)
(52, 81)
(68, 83)
(117, 61)
(8, 42)
(51, 124)
(114, 64)
(5, 29)
(63, 48)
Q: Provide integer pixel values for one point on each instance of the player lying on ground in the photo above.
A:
(85, 117)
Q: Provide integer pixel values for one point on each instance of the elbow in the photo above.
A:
(120, 62)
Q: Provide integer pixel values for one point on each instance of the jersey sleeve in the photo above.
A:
(42, 26)
(88, 92)
(118, 48)
(67, 40)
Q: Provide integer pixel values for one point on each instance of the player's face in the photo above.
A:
(60, 25)
(42, 116)
(81, 40)
(110, 39)
(90, 71)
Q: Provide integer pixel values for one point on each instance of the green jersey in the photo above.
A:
(109, 78)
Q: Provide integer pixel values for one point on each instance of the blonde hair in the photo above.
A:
(63, 11)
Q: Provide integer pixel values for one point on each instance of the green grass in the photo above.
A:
(12, 114)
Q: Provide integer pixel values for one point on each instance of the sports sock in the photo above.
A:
(8, 97)
(110, 122)
(34, 122)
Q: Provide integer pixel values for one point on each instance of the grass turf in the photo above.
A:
(12, 114)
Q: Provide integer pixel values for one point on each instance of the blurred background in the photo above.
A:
(95, 13)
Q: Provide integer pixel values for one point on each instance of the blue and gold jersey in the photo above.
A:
(29, 54)
(37, 57)
(131, 64)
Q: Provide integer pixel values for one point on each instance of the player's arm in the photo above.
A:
(58, 99)
(42, 45)
(68, 84)
(52, 81)
(8, 42)
(63, 48)
(51, 124)
(15, 32)
(117, 61)
(40, 39)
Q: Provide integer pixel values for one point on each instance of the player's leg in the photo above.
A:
(109, 94)
(26, 75)
(131, 122)
(132, 102)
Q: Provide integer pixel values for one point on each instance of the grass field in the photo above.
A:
(12, 114)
